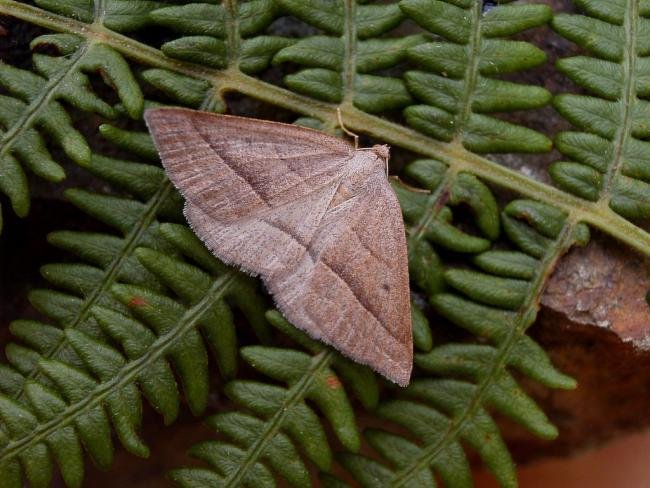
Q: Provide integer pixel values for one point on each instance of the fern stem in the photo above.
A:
(521, 322)
(592, 213)
(627, 99)
(471, 72)
(132, 240)
(436, 203)
(295, 395)
(100, 11)
(128, 374)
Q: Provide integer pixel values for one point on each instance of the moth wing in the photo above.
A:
(351, 289)
(260, 195)
(267, 242)
(234, 167)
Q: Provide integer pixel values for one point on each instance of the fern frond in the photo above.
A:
(608, 160)
(458, 87)
(72, 381)
(496, 302)
(264, 441)
(32, 108)
(338, 68)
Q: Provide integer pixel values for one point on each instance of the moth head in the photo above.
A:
(383, 153)
(381, 150)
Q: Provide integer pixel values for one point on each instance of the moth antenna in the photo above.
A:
(345, 129)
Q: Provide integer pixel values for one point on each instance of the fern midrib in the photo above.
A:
(40, 103)
(471, 72)
(562, 243)
(232, 33)
(349, 38)
(628, 99)
(580, 210)
(131, 370)
(100, 11)
(131, 241)
(295, 395)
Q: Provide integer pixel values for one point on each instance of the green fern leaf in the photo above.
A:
(328, 75)
(264, 439)
(117, 15)
(332, 17)
(210, 46)
(456, 87)
(608, 160)
(205, 18)
(33, 106)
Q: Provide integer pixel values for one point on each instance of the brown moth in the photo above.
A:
(314, 217)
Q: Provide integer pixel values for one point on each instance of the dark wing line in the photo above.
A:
(203, 137)
(252, 161)
(370, 251)
(307, 248)
(269, 208)
(270, 127)
(262, 213)
(363, 303)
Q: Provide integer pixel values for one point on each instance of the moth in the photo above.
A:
(312, 215)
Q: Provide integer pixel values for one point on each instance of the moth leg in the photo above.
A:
(345, 129)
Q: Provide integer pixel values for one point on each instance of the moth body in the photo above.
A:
(361, 175)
